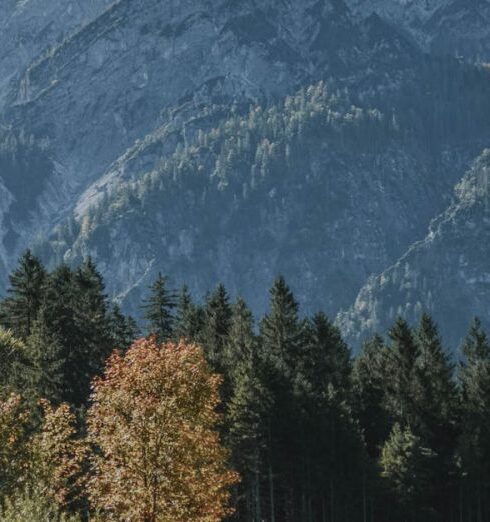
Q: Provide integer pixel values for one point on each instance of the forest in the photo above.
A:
(200, 412)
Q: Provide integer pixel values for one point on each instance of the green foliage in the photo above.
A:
(216, 328)
(66, 329)
(124, 329)
(11, 358)
(159, 307)
(18, 312)
(406, 463)
(32, 505)
(189, 317)
(314, 433)
(474, 442)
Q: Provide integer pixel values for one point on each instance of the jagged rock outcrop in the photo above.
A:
(446, 274)
(455, 27)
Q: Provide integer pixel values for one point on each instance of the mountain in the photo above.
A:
(445, 273)
(456, 27)
(232, 141)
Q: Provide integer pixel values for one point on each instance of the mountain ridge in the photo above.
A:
(108, 92)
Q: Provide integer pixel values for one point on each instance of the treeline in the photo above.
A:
(400, 432)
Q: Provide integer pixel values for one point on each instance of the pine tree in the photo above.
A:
(245, 419)
(58, 321)
(401, 368)
(189, 317)
(18, 311)
(43, 376)
(76, 314)
(281, 330)
(124, 329)
(369, 387)
(325, 357)
(474, 445)
(216, 328)
(281, 334)
(242, 343)
(404, 462)
(437, 412)
(92, 321)
(436, 392)
(158, 309)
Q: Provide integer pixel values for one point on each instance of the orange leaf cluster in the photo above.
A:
(58, 455)
(153, 422)
(14, 425)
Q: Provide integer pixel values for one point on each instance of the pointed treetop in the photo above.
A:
(476, 346)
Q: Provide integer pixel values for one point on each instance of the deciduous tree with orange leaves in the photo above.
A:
(58, 455)
(153, 421)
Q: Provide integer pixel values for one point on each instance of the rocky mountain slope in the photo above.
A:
(234, 140)
(446, 273)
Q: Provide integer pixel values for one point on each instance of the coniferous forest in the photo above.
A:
(205, 414)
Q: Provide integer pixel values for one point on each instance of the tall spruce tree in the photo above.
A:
(436, 422)
(43, 376)
(159, 309)
(19, 311)
(189, 317)
(76, 313)
(329, 451)
(474, 445)
(325, 357)
(282, 333)
(216, 328)
(245, 419)
(369, 377)
(92, 320)
(405, 462)
(242, 343)
(402, 373)
(124, 329)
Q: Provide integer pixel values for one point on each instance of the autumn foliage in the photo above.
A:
(58, 456)
(153, 421)
(14, 424)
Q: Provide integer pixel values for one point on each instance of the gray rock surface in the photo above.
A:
(96, 95)
(446, 274)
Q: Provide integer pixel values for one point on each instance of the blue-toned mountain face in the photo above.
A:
(332, 141)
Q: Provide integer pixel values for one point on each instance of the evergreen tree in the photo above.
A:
(18, 312)
(245, 419)
(45, 365)
(75, 312)
(401, 381)
(242, 343)
(474, 445)
(92, 321)
(282, 333)
(158, 309)
(437, 413)
(189, 317)
(325, 357)
(124, 329)
(368, 388)
(216, 328)
(405, 461)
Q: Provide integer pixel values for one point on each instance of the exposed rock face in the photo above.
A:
(99, 98)
(456, 27)
(446, 273)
